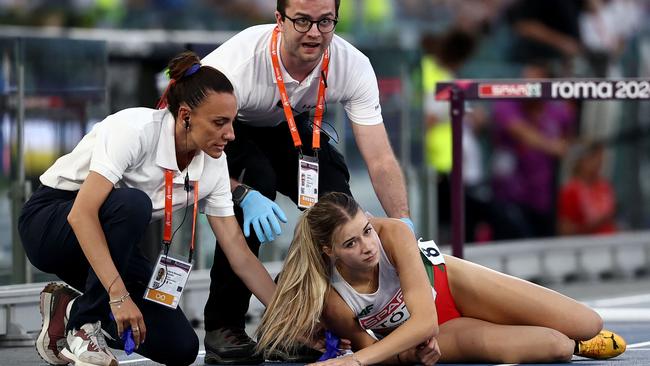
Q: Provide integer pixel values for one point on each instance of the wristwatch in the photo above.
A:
(239, 193)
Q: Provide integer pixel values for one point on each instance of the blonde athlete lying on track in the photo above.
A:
(355, 273)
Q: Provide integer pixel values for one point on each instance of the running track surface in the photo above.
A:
(627, 315)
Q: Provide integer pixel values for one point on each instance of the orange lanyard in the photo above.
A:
(167, 232)
(286, 105)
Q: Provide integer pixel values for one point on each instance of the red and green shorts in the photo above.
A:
(445, 304)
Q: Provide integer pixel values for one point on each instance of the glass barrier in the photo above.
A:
(51, 92)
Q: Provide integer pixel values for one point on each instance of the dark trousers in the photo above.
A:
(52, 247)
(268, 161)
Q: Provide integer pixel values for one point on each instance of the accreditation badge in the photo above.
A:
(168, 281)
(307, 181)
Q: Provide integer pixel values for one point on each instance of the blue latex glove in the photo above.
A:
(263, 214)
(127, 339)
(409, 222)
(331, 346)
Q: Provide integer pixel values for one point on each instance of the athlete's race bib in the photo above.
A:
(430, 250)
(391, 315)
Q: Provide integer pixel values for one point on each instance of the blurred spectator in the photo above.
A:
(139, 14)
(444, 56)
(587, 203)
(546, 30)
(433, 15)
(476, 15)
(530, 137)
(365, 17)
(606, 26)
(105, 13)
(245, 12)
(433, 11)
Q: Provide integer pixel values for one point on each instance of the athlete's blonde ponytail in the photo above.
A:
(295, 309)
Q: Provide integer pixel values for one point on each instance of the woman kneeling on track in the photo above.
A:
(380, 284)
(85, 221)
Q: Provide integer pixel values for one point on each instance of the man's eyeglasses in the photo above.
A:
(303, 25)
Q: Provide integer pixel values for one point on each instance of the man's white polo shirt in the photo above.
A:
(133, 148)
(246, 61)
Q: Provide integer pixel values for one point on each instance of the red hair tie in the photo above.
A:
(162, 103)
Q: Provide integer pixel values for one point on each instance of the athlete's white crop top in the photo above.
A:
(379, 311)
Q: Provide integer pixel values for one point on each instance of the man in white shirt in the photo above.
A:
(314, 67)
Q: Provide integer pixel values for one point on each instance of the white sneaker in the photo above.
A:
(87, 347)
(56, 302)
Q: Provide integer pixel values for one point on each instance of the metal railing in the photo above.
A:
(585, 258)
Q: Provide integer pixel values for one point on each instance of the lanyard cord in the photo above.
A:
(168, 235)
(286, 104)
(167, 245)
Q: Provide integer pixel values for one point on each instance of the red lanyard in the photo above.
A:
(320, 101)
(167, 232)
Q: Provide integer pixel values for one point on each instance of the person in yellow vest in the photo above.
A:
(443, 56)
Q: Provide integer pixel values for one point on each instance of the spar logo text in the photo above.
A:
(510, 90)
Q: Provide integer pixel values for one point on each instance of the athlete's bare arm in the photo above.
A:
(421, 326)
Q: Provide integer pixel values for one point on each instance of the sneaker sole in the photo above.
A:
(69, 355)
(43, 337)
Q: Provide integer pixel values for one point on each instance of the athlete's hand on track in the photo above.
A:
(428, 353)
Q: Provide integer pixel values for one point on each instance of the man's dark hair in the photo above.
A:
(282, 7)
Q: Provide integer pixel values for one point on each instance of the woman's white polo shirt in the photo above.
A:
(133, 148)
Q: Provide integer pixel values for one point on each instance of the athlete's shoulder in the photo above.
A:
(391, 230)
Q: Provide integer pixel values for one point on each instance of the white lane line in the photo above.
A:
(618, 301)
(624, 314)
(638, 345)
(135, 360)
(202, 354)
(122, 362)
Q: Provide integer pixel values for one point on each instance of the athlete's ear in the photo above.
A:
(328, 251)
